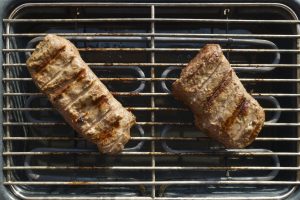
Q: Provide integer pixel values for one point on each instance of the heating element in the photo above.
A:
(138, 50)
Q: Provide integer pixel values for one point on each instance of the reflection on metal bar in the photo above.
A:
(116, 65)
(144, 109)
(147, 94)
(152, 183)
(138, 123)
(145, 168)
(91, 20)
(185, 35)
(62, 138)
(268, 80)
(157, 153)
(166, 50)
(167, 5)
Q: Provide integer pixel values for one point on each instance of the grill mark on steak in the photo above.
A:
(79, 76)
(207, 62)
(115, 124)
(98, 103)
(82, 93)
(107, 131)
(40, 67)
(209, 77)
(55, 77)
(252, 133)
(57, 90)
(240, 109)
(218, 90)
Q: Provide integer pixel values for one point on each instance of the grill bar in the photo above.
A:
(145, 168)
(165, 50)
(148, 94)
(92, 20)
(204, 4)
(185, 35)
(147, 138)
(152, 60)
(138, 123)
(145, 109)
(126, 183)
(166, 65)
(95, 153)
(168, 79)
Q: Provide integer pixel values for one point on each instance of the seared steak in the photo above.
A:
(85, 103)
(221, 106)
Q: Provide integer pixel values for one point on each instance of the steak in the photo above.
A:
(81, 98)
(221, 106)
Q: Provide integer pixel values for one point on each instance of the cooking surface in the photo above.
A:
(138, 50)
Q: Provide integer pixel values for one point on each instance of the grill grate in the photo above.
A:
(137, 50)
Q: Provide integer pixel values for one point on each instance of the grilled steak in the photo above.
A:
(85, 103)
(221, 106)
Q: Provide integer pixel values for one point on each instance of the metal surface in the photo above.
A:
(137, 50)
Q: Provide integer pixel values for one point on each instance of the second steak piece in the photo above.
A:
(82, 99)
(222, 107)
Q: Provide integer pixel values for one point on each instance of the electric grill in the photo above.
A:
(138, 50)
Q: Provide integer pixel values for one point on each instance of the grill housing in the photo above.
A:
(137, 50)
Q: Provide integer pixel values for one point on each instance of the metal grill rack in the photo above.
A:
(137, 50)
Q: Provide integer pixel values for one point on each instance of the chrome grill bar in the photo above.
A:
(152, 60)
(166, 50)
(138, 123)
(149, 94)
(145, 168)
(167, 64)
(146, 109)
(91, 20)
(167, 79)
(186, 36)
(95, 153)
(156, 183)
(149, 138)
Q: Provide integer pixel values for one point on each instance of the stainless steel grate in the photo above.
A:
(137, 50)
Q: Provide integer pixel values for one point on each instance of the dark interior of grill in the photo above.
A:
(108, 58)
